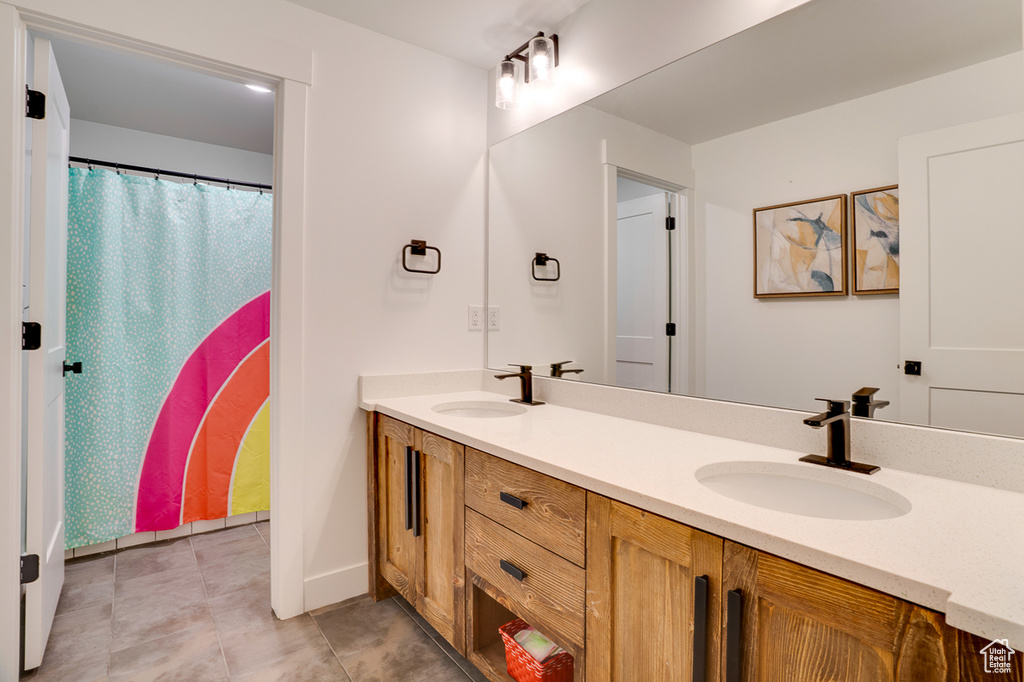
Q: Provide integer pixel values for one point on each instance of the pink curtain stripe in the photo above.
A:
(158, 504)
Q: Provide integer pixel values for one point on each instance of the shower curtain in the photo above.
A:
(168, 309)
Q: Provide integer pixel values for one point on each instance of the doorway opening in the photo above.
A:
(651, 325)
(168, 276)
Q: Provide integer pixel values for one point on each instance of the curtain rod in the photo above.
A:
(158, 172)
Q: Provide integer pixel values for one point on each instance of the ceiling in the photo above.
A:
(818, 54)
(476, 32)
(131, 91)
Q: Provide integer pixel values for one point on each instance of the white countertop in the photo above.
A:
(960, 549)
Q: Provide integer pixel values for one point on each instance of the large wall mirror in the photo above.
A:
(831, 98)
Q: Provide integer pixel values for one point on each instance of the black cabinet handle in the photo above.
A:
(415, 494)
(408, 487)
(733, 634)
(512, 570)
(512, 500)
(700, 627)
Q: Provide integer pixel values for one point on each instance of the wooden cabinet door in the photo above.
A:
(397, 560)
(641, 578)
(800, 625)
(441, 576)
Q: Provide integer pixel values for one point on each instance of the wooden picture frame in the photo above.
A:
(800, 248)
(875, 265)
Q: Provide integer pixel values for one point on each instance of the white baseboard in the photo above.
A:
(193, 528)
(336, 586)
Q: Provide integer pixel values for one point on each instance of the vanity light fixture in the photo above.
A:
(539, 57)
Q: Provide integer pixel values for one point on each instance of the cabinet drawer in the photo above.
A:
(554, 513)
(550, 596)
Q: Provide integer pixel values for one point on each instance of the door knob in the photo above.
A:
(74, 368)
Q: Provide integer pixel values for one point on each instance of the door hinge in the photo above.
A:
(670, 222)
(35, 103)
(29, 568)
(670, 329)
(31, 336)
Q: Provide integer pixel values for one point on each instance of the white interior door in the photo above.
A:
(642, 309)
(961, 294)
(44, 437)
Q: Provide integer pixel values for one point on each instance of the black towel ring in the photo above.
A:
(418, 247)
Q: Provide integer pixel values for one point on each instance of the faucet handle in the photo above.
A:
(522, 368)
(836, 406)
(864, 394)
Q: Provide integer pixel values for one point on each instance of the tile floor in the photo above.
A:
(198, 608)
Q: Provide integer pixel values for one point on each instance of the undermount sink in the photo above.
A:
(804, 490)
(479, 409)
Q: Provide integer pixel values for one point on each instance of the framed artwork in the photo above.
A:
(800, 248)
(876, 240)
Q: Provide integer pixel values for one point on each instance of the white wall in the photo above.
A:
(547, 194)
(389, 156)
(607, 43)
(776, 351)
(124, 145)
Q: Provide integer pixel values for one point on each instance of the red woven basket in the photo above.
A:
(525, 668)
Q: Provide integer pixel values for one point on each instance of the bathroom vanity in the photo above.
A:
(598, 531)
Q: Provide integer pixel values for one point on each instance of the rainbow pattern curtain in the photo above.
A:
(169, 313)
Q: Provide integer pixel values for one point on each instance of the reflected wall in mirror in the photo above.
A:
(812, 103)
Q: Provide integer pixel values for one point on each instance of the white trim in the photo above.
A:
(287, 446)
(330, 588)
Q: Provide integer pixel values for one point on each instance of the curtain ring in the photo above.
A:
(117, 168)
(195, 180)
(157, 173)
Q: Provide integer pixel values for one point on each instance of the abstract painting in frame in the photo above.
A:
(800, 248)
(876, 240)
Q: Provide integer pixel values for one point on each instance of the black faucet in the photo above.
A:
(557, 369)
(837, 419)
(864, 404)
(525, 375)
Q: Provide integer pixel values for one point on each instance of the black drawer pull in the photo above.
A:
(512, 570)
(700, 627)
(416, 504)
(408, 487)
(512, 500)
(732, 636)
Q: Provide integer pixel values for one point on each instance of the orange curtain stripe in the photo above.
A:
(212, 459)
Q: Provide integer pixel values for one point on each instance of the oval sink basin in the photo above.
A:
(806, 490)
(479, 409)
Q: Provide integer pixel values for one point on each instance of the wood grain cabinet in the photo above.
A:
(525, 557)
(652, 593)
(784, 621)
(417, 524)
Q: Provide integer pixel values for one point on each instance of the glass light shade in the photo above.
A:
(542, 63)
(506, 95)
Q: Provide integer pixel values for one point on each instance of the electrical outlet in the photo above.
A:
(476, 318)
(493, 318)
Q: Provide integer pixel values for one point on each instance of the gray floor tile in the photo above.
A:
(236, 564)
(78, 648)
(170, 555)
(87, 582)
(309, 665)
(463, 663)
(210, 541)
(158, 605)
(264, 530)
(252, 636)
(378, 642)
(188, 655)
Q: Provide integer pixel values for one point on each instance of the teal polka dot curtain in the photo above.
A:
(159, 276)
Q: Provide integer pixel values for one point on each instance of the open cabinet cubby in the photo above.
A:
(487, 609)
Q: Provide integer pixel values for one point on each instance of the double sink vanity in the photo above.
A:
(652, 552)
